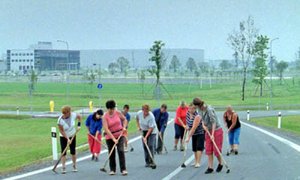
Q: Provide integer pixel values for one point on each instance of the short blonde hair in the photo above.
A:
(66, 109)
(146, 107)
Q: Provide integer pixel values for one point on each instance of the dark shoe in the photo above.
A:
(93, 157)
(147, 165)
(219, 168)
(236, 152)
(209, 171)
(96, 159)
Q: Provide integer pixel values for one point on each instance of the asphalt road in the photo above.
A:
(260, 157)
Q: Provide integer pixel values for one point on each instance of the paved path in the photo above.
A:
(261, 157)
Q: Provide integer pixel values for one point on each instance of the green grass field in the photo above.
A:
(25, 140)
(15, 95)
(288, 123)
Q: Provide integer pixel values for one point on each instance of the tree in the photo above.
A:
(33, 78)
(156, 57)
(260, 68)
(280, 67)
(191, 65)
(204, 67)
(298, 59)
(123, 64)
(225, 65)
(112, 68)
(242, 42)
(174, 64)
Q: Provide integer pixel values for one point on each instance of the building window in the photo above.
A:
(20, 54)
(12, 54)
(27, 54)
(24, 67)
(12, 60)
(31, 54)
(23, 60)
(20, 67)
(27, 67)
(27, 60)
(31, 60)
(31, 67)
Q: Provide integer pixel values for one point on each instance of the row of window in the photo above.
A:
(21, 54)
(25, 67)
(21, 60)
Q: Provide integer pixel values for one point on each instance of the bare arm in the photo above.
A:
(138, 123)
(195, 125)
(233, 119)
(62, 131)
(123, 119)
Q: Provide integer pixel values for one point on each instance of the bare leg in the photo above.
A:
(74, 160)
(210, 161)
(63, 162)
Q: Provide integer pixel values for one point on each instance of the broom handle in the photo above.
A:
(62, 154)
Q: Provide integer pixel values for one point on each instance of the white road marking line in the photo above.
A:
(176, 171)
(67, 163)
(283, 140)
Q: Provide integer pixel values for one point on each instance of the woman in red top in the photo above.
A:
(180, 124)
(112, 123)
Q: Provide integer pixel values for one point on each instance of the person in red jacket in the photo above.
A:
(180, 124)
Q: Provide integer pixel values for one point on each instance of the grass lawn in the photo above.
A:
(25, 140)
(16, 95)
(288, 123)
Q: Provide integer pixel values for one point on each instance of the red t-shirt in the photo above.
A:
(181, 113)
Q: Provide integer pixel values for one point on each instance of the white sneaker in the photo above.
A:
(63, 170)
(112, 173)
(197, 165)
(125, 149)
(74, 169)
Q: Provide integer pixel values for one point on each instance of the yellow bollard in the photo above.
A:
(51, 104)
(91, 106)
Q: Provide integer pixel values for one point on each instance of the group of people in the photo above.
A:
(197, 121)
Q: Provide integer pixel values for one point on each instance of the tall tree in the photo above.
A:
(123, 64)
(33, 78)
(242, 42)
(191, 65)
(174, 64)
(157, 58)
(204, 67)
(298, 59)
(260, 70)
(280, 67)
(112, 68)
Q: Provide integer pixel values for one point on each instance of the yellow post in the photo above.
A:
(51, 104)
(91, 106)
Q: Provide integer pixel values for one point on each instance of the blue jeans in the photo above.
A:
(234, 136)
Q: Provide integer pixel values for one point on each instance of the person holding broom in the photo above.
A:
(214, 134)
(194, 122)
(146, 123)
(114, 124)
(161, 118)
(67, 130)
(94, 126)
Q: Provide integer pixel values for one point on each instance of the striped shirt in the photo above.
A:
(190, 120)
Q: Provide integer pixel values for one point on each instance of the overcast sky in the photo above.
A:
(126, 24)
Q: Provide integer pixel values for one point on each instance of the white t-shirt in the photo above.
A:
(147, 122)
(68, 124)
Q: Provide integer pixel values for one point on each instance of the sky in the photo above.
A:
(135, 24)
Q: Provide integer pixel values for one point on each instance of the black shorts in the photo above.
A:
(63, 145)
(179, 131)
(198, 142)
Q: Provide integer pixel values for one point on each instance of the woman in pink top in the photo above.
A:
(112, 123)
(180, 124)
